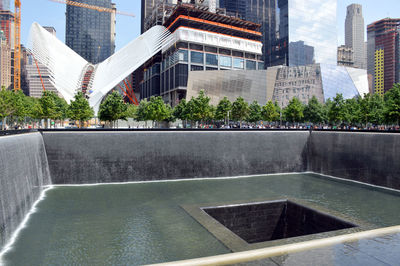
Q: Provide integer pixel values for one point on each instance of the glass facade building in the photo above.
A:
(89, 32)
(291, 21)
(4, 4)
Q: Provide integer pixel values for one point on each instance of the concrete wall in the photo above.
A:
(372, 158)
(23, 173)
(92, 157)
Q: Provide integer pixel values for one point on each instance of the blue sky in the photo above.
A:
(49, 13)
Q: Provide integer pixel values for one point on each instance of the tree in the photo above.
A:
(240, 110)
(224, 107)
(392, 103)
(376, 109)
(6, 106)
(199, 109)
(113, 108)
(158, 110)
(48, 108)
(351, 114)
(294, 111)
(79, 109)
(314, 111)
(142, 113)
(336, 112)
(254, 113)
(131, 111)
(180, 112)
(270, 112)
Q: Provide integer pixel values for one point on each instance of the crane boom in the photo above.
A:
(97, 8)
(17, 46)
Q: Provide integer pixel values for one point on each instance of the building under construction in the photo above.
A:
(202, 41)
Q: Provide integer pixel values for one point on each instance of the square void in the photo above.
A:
(266, 221)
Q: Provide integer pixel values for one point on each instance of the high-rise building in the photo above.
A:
(5, 62)
(262, 12)
(354, 34)
(383, 54)
(202, 41)
(300, 54)
(7, 25)
(89, 32)
(290, 21)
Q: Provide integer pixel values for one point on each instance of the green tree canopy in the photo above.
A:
(79, 109)
(224, 106)
(351, 114)
(199, 108)
(158, 110)
(240, 110)
(180, 110)
(254, 113)
(270, 112)
(294, 112)
(336, 112)
(113, 108)
(142, 113)
(392, 110)
(131, 111)
(314, 111)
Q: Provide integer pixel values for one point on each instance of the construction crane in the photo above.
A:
(97, 8)
(17, 45)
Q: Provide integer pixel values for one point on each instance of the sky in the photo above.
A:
(48, 13)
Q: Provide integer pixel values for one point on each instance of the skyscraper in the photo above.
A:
(383, 54)
(354, 34)
(89, 32)
(287, 21)
(263, 12)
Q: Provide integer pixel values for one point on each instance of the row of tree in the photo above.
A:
(20, 109)
(370, 109)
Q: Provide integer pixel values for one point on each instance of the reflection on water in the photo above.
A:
(143, 223)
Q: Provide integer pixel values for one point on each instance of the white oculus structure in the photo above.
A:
(67, 69)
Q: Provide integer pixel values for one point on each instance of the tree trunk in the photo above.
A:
(3, 125)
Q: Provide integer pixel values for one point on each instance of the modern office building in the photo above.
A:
(89, 32)
(300, 54)
(383, 54)
(202, 41)
(291, 21)
(263, 12)
(7, 25)
(345, 56)
(280, 84)
(354, 34)
(5, 62)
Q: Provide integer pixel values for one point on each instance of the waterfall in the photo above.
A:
(24, 173)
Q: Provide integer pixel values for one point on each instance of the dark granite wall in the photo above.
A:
(23, 173)
(95, 157)
(372, 158)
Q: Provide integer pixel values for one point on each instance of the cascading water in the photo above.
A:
(24, 173)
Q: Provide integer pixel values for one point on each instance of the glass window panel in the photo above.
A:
(238, 63)
(183, 55)
(225, 61)
(196, 68)
(251, 65)
(260, 65)
(196, 57)
(196, 46)
(212, 59)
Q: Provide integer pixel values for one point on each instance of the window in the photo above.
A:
(211, 68)
(238, 63)
(196, 68)
(225, 61)
(183, 55)
(212, 59)
(251, 65)
(237, 53)
(196, 57)
(211, 49)
(194, 46)
(260, 65)
(224, 51)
